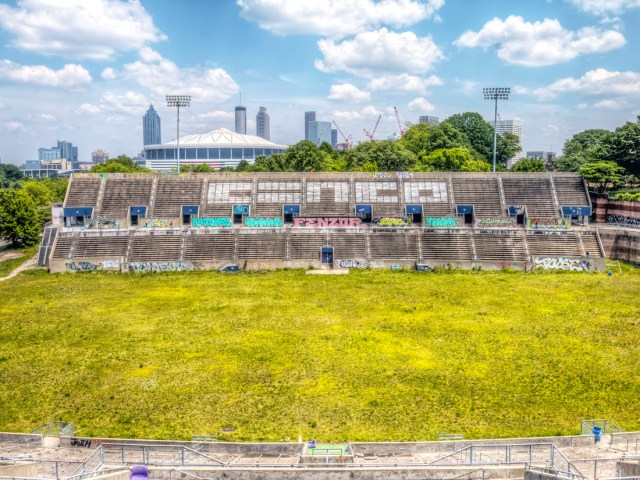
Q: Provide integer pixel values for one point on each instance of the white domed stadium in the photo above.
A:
(219, 148)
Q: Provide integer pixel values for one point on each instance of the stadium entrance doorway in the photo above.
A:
(76, 216)
(327, 256)
(364, 212)
(240, 211)
(518, 213)
(136, 213)
(465, 213)
(414, 213)
(189, 211)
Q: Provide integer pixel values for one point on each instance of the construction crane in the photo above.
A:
(347, 140)
(371, 134)
(402, 130)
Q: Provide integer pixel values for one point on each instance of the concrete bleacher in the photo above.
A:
(438, 194)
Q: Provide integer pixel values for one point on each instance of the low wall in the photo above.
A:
(615, 211)
(355, 473)
(627, 469)
(20, 470)
(620, 243)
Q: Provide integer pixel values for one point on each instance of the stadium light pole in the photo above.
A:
(178, 101)
(495, 94)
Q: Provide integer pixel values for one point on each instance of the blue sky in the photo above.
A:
(86, 71)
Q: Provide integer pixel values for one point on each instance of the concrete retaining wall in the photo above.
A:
(19, 470)
(621, 243)
(627, 469)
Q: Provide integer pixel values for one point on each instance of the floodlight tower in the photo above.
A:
(495, 94)
(178, 101)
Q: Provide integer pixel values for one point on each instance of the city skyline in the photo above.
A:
(90, 75)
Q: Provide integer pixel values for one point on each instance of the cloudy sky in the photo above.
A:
(86, 71)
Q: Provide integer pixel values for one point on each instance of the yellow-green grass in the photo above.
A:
(371, 356)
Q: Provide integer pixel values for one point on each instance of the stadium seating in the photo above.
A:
(265, 195)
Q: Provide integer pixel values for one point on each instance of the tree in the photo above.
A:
(507, 146)
(529, 165)
(387, 156)
(477, 130)
(448, 159)
(585, 147)
(11, 172)
(422, 139)
(19, 221)
(120, 164)
(201, 168)
(602, 174)
(625, 147)
(305, 156)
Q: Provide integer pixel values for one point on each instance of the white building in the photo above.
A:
(219, 148)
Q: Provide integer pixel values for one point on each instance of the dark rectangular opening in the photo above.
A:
(365, 213)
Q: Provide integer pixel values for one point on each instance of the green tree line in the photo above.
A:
(25, 204)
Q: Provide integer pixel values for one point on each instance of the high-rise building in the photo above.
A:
(99, 156)
(308, 117)
(68, 151)
(319, 132)
(241, 120)
(546, 157)
(263, 129)
(334, 138)
(428, 119)
(46, 154)
(151, 127)
(509, 126)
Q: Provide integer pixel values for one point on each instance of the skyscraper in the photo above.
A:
(99, 156)
(241, 120)
(308, 117)
(68, 151)
(334, 138)
(509, 126)
(320, 132)
(151, 127)
(263, 129)
(428, 119)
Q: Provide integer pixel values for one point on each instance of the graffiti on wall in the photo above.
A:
(81, 266)
(332, 222)
(441, 222)
(259, 222)
(213, 222)
(353, 264)
(392, 175)
(549, 223)
(615, 218)
(101, 223)
(159, 266)
(155, 223)
(241, 209)
(562, 263)
(399, 221)
(494, 223)
(81, 442)
(111, 264)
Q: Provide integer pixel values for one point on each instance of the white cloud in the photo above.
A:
(336, 18)
(356, 115)
(53, 27)
(217, 115)
(87, 109)
(346, 92)
(403, 83)
(595, 83)
(604, 7)
(540, 43)
(43, 117)
(421, 104)
(161, 76)
(109, 74)
(70, 77)
(14, 126)
(618, 104)
(371, 54)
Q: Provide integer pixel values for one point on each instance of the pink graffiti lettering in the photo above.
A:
(327, 222)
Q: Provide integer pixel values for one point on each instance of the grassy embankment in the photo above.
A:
(375, 355)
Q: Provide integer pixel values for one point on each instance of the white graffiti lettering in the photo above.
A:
(562, 263)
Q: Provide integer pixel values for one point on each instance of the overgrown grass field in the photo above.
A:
(373, 355)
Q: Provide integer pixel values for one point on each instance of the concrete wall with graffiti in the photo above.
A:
(494, 223)
(441, 222)
(85, 266)
(564, 263)
(548, 223)
(160, 266)
(387, 222)
(101, 224)
(211, 222)
(157, 223)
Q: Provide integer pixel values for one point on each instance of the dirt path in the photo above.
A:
(26, 265)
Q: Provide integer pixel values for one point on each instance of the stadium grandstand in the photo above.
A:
(158, 222)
